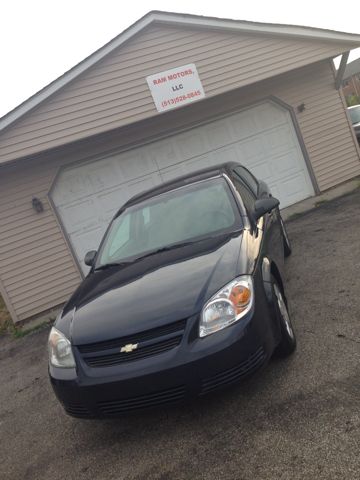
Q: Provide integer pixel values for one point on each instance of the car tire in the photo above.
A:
(287, 343)
(286, 241)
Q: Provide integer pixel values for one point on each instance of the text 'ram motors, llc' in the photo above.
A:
(175, 87)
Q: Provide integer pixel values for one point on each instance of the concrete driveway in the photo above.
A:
(298, 419)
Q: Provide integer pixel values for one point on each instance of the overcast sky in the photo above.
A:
(40, 40)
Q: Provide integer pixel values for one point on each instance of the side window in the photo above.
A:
(244, 191)
(248, 178)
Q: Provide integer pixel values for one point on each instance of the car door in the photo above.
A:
(250, 190)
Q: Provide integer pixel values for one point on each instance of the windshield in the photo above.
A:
(187, 214)
(355, 114)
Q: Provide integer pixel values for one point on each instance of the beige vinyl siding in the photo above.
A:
(324, 125)
(36, 268)
(114, 93)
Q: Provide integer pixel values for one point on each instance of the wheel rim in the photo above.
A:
(285, 234)
(284, 312)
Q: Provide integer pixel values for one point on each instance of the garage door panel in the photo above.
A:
(225, 155)
(164, 154)
(172, 172)
(72, 187)
(244, 126)
(290, 191)
(142, 184)
(262, 171)
(270, 117)
(289, 186)
(218, 135)
(191, 144)
(198, 163)
(252, 151)
(86, 241)
(293, 188)
(186, 167)
(285, 165)
(102, 176)
(279, 141)
(110, 203)
(89, 239)
(131, 165)
(274, 190)
(79, 215)
(262, 138)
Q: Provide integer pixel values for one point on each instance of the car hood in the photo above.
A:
(152, 292)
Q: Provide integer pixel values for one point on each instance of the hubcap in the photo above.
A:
(284, 312)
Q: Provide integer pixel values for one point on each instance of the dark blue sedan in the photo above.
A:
(185, 298)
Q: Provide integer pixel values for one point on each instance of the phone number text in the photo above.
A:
(175, 100)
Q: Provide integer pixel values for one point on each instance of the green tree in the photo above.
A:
(352, 100)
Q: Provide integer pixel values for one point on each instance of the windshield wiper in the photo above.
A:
(234, 233)
(165, 249)
(109, 265)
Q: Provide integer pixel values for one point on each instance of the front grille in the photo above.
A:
(149, 343)
(166, 397)
(76, 410)
(138, 354)
(136, 338)
(234, 374)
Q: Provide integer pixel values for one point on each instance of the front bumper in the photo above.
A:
(189, 371)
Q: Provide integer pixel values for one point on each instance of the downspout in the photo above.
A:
(340, 73)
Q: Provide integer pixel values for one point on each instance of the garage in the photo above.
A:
(262, 138)
(171, 94)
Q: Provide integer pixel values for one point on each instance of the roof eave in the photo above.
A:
(174, 19)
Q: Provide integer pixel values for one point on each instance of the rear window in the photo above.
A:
(355, 114)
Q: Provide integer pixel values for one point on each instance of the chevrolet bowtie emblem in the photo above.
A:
(129, 348)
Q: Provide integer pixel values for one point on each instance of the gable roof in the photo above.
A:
(352, 69)
(177, 19)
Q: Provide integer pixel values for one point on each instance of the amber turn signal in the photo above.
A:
(240, 297)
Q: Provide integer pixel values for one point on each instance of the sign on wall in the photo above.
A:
(175, 87)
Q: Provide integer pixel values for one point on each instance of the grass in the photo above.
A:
(18, 333)
(320, 202)
(8, 327)
(6, 323)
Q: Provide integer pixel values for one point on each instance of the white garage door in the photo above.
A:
(261, 138)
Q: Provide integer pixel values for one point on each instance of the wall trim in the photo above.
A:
(63, 230)
(8, 303)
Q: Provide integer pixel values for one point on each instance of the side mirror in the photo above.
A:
(263, 206)
(89, 258)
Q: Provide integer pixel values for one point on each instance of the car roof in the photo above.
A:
(187, 179)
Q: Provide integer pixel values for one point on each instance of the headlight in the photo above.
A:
(227, 306)
(60, 351)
